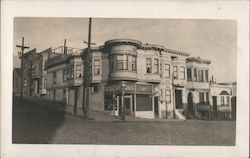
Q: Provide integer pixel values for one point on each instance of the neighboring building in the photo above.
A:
(198, 88)
(64, 78)
(16, 81)
(221, 101)
(34, 73)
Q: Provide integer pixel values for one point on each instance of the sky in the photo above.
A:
(215, 40)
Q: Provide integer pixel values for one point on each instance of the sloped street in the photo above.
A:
(35, 123)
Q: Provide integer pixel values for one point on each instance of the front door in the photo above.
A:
(178, 99)
(190, 101)
(128, 104)
(156, 107)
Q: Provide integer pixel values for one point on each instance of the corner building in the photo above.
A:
(154, 77)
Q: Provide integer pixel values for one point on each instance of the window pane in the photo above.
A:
(167, 70)
(175, 72)
(206, 75)
(156, 66)
(189, 74)
(96, 67)
(182, 73)
(148, 65)
(195, 74)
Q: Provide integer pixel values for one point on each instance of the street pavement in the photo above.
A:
(37, 123)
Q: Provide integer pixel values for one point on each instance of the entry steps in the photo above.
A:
(179, 115)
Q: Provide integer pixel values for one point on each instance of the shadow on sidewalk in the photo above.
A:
(34, 122)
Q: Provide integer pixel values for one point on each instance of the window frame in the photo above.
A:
(182, 72)
(98, 66)
(149, 65)
(167, 71)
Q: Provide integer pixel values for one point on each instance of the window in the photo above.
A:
(95, 88)
(206, 97)
(160, 69)
(64, 75)
(227, 101)
(149, 65)
(68, 73)
(167, 70)
(156, 66)
(78, 71)
(45, 83)
(222, 103)
(54, 77)
(122, 62)
(168, 96)
(200, 75)
(97, 67)
(201, 97)
(72, 71)
(189, 74)
(182, 73)
(195, 74)
(133, 62)
(175, 72)
(206, 75)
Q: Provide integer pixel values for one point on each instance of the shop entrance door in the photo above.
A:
(128, 104)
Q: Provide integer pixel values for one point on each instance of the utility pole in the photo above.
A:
(87, 74)
(65, 47)
(22, 51)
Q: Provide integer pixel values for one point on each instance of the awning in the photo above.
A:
(203, 107)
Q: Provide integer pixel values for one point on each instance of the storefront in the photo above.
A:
(138, 99)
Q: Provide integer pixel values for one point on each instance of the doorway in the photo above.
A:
(128, 104)
(178, 99)
(156, 107)
(190, 102)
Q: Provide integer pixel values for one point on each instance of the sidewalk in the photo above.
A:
(94, 115)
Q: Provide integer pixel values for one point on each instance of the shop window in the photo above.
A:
(189, 74)
(143, 102)
(168, 96)
(108, 102)
(167, 70)
(156, 66)
(182, 73)
(97, 67)
(78, 71)
(149, 65)
(175, 72)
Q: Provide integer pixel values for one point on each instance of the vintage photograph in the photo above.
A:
(124, 81)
